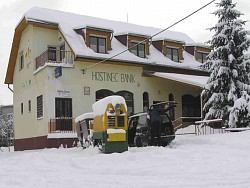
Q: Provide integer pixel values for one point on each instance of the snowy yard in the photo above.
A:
(220, 160)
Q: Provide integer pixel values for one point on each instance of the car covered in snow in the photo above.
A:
(139, 130)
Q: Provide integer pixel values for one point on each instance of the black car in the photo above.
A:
(139, 130)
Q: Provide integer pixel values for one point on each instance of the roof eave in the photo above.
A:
(14, 49)
(16, 41)
(150, 66)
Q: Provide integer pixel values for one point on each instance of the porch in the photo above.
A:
(62, 125)
(53, 55)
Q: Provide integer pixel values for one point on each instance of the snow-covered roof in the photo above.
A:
(199, 81)
(68, 22)
(88, 115)
(100, 106)
(198, 44)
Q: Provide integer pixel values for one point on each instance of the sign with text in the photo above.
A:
(113, 77)
(63, 93)
(58, 71)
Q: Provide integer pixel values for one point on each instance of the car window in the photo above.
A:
(165, 118)
(142, 119)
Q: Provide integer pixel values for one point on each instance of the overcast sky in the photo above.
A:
(154, 13)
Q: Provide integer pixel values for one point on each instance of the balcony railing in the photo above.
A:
(62, 125)
(54, 56)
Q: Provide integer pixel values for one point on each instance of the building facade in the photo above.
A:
(61, 63)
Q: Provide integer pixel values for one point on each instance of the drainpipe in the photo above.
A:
(10, 88)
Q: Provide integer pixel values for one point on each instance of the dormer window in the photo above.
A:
(201, 56)
(98, 39)
(137, 44)
(98, 44)
(172, 49)
(138, 49)
(199, 51)
(172, 53)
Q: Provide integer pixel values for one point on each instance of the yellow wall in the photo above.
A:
(28, 85)
(34, 41)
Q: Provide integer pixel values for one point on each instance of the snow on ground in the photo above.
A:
(218, 160)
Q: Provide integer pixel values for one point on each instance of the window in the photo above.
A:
(173, 54)
(100, 94)
(29, 104)
(191, 106)
(39, 103)
(21, 63)
(98, 44)
(201, 57)
(129, 98)
(138, 50)
(62, 52)
(145, 102)
(52, 53)
(21, 108)
(63, 111)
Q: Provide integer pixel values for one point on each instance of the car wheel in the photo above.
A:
(138, 141)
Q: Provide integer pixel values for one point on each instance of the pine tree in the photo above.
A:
(229, 69)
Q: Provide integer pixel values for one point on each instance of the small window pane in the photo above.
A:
(39, 106)
(21, 65)
(52, 53)
(175, 55)
(21, 108)
(93, 43)
(141, 49)
(62, 52)
(133, 49)
(29, 104)
(199, 57)
(102, 45)
(169, 53)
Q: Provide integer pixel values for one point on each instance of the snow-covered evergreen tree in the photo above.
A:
(229, 68)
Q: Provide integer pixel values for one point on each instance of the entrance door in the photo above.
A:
(63, 110)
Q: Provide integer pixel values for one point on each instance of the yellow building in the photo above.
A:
(57, 71)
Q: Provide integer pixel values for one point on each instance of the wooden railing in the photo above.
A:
(62, 125)
(183, 122)
(209, 126)
(54, 56)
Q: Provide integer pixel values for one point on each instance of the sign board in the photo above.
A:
(63, 93)
(86, 90)
(58, 71)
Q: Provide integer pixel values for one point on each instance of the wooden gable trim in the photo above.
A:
(14, 51)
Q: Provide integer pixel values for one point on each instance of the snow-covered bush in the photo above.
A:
(6, 128)
(240, 112)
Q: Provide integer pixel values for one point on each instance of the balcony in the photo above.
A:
(62, 125)
(54, 56)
